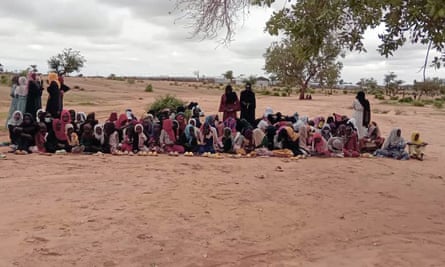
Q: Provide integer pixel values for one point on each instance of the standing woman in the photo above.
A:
(63, 90)
(229, 104)
(53, 103)
(22, 94)
(14, 98)
(361, 114)
(248, 104)
(34, 101)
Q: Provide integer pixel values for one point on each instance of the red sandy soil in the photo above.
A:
(68, 210)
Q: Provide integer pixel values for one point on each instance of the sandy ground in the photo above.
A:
(166, 211)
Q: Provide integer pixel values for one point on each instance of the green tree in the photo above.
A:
(251, 79)
(292, 67)
(367, 84)
(228, 75)
(68, 61)
(420, 21)
(430, 87)
(390, 83)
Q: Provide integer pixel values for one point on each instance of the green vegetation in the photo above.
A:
(5, 80)
(68, 61)
(418, 103)
(149, 88)
(438, 104)
(167, 101)
(406, 100)
(379, 96)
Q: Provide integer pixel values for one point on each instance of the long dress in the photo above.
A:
(358, 116)
(53, 103)
(33, 102)
(13, 106)
(22, 94)
(248, 105)
(228, 109)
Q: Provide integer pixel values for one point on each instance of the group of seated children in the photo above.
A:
(173, 132)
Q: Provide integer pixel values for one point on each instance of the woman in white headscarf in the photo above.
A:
(22, 94)
(394, 146)
(14, 99)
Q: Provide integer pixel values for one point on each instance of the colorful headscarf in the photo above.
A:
(59, 129)
(413, 138)
(53, 77)
(167, 126)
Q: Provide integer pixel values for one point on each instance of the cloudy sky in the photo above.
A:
(145, 37)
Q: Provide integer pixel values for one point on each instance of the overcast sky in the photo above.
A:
(144, 37)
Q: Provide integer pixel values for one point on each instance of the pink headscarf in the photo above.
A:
(321, 146)
(167, 126)
(59, 130)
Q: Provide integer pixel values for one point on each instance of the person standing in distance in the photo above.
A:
(361, 113)
(248, 104)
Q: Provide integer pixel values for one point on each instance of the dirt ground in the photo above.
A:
(67, 210)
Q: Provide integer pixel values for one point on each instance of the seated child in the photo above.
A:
(416, 146)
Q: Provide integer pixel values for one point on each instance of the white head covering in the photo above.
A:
(268, 111)
(22, 88)
(99, 137)
(37, 114)
(393, 139)
(13, 122)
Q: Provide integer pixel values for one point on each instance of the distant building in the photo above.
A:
(262, 82)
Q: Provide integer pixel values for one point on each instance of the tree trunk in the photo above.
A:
(303, 90)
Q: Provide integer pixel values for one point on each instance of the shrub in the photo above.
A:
(406, 100)
(5, 80)
(428, 101)
(167, 101)
(276, 94)
(265, 92)
(76, 87)
(149, 88)
(438, 104)
(418, 103)
(131, 81)
(284, 94)
(345, 92)
(380, 97)
(394, 98)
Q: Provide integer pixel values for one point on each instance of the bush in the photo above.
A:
(276, 94)
(438, 104)
(428, 101)
(394, 98)
(131, 81)
(284, 94)
(406, 100)
(380, 97)
(167, 101)
(418, 103)
(149, 88)
(265, 92)
(345, 92)
(5, 80)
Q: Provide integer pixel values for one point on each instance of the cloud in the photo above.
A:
(68, 17)
(147, 37)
